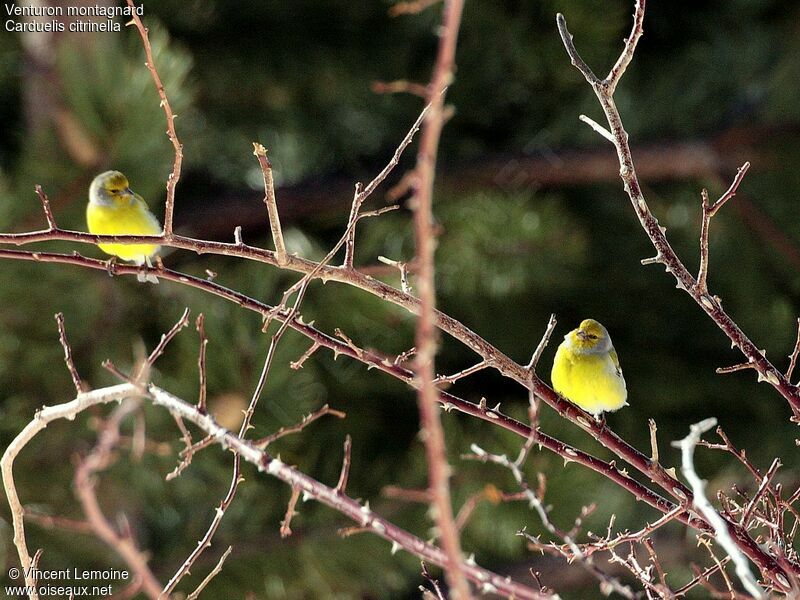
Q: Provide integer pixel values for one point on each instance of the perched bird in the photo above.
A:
(114, 209)
(586, 370)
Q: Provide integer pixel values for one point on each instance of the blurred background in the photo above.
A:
(533, 221)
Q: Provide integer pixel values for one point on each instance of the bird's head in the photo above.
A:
(590, 337)
(110, 187)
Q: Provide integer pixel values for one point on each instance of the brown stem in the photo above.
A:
(122, 543)
(426, 342)
(172, 181)
(62, 336)
(666, 256)
(271, 203)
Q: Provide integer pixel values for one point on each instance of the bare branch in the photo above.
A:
(598, 128)
(618, 70)
(434, 583)
(702, 576)
(62, 336)
(537, 354)
(734, 368)
(341, 486)
(298, 364)
(425, 340)
(48, 212)
(214, 572)
(272, 205)
(362, 515)
(201, 362)
(794, 355)
(710, 210)
(166, 338)
(172, 181)
(721, 532)
(762, 489)
(401, 85)
(298, 427)
(403, 268)
(653, 441)
(286, 529)
(362, 193)
(572, 51)
(97, 460)
(443, 379)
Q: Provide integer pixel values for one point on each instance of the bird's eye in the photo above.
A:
(592, 336)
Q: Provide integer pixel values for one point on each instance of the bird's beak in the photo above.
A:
(581, 334)
(129, 191)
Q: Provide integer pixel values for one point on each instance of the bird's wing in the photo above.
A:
(615, 360)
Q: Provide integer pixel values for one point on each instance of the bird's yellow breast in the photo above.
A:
(124, 218)
(592, 381)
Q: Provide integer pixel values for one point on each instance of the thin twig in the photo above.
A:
(705, 542)
(298, 364)
(214, 572)
(403, 268)
(166, 338)
(298, 427)
(537, 354)
(341, 485)
(721, 532)
(794, 355)
(55, 522)
(443, 379)
(62, 337)
(437, 591)
(597, 127)
(172, 181)
(709, 211)
(97, 460)
(400, 86)
(702, 576)
(762, 489)
(201, 362)
(618, 70)
(362, 193)
(48, 212)
(272, 205)
(734, 368)
(410, 7)
(651, 423)
(286, 524)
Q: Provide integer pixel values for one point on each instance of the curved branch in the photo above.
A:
(361, 514)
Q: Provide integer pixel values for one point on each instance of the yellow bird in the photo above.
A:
(586, 370)
(114, 209)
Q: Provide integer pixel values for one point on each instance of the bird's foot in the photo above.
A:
(111, 266)
(144, 275)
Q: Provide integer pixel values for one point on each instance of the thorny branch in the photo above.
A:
(425, 340)
(665, 255)
(604, 90)
(122, 543)
(172, 181)
(62, 336)
(361, 514)
(702, 504)
(490, 355)
(271, 203)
